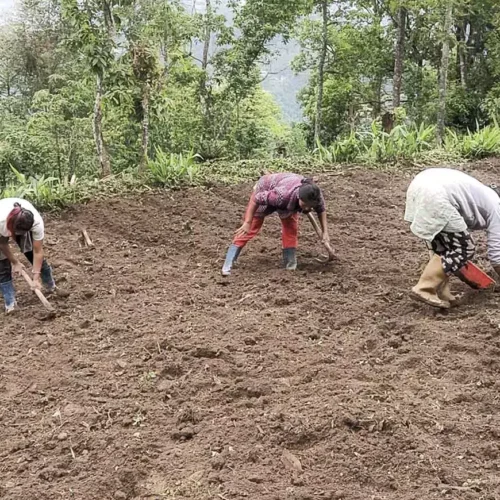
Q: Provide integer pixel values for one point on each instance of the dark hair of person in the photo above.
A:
(310, 193)
(20, 220)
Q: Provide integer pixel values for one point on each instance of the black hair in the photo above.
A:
(310, 193)
(495, 188)
(22, 220)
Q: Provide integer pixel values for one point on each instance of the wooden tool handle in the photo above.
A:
(319, 232)
(38, 293)
(315, 225)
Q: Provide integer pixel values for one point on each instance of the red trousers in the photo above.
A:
(289, 232)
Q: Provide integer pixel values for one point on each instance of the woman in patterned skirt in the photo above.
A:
(443, 206)
(288, 195)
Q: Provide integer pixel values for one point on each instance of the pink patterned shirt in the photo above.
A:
(280, 193)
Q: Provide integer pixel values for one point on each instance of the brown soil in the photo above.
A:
(159, 379)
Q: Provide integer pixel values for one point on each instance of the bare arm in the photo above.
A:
(324, 226)
(251, 209)
(37, 256)
(37, 262)
(5, 249)
(249, 214)
(17, 265)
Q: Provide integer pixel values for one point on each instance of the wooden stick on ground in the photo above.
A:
(86, 238)
(38, 293)
(315, 224)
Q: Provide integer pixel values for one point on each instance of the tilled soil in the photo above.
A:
(159, 379)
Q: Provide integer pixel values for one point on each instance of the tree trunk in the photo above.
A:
(58, 151)
(321, 72)
(97, 127)
(461, 54)
(377, 97)
(146, 92)
(443, 73)
(204, 97)
(419, 86)
(208, 34)
(399, 58)
(352, 118)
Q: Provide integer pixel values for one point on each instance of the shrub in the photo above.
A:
(174, 170)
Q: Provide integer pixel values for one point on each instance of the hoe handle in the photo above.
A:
(38, 293)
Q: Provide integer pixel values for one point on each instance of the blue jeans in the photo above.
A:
(6, 267)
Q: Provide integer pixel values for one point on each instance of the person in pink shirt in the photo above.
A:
(288, 195)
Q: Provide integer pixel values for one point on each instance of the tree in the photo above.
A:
(321, 70)
(399, 56)
(146, 71)
(93, 35)
(10, 62)
(353, 76)
(443, 72)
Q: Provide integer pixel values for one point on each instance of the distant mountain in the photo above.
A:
(282, 82)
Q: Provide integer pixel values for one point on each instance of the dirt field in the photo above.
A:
(159, 379)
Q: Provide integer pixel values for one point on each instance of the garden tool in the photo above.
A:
(38, 293)
(475, 277)
(329, 249)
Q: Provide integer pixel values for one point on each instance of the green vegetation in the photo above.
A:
(174, 170)
(102, 97)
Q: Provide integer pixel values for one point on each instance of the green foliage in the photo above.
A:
(167, 80)
(474, 145)
(344, 150)
(232, 172)
(291, 142)
(48, 192)
(55, 193)
(408, 143)
(401, 143)
(482, 143)
(354, 76)
(174, 170)
(134, 61)
(464, 108)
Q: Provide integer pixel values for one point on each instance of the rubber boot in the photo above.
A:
(9, 296)
(47, 278)
(50, 284)
(431, 280)
(445, 294)
(231, 256)
(290, 259)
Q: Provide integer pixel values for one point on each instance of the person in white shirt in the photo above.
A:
(20, 221)
(443, 206)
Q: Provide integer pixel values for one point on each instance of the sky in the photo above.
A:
(5, 7)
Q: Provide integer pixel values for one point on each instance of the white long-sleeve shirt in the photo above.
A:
(446, 200)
